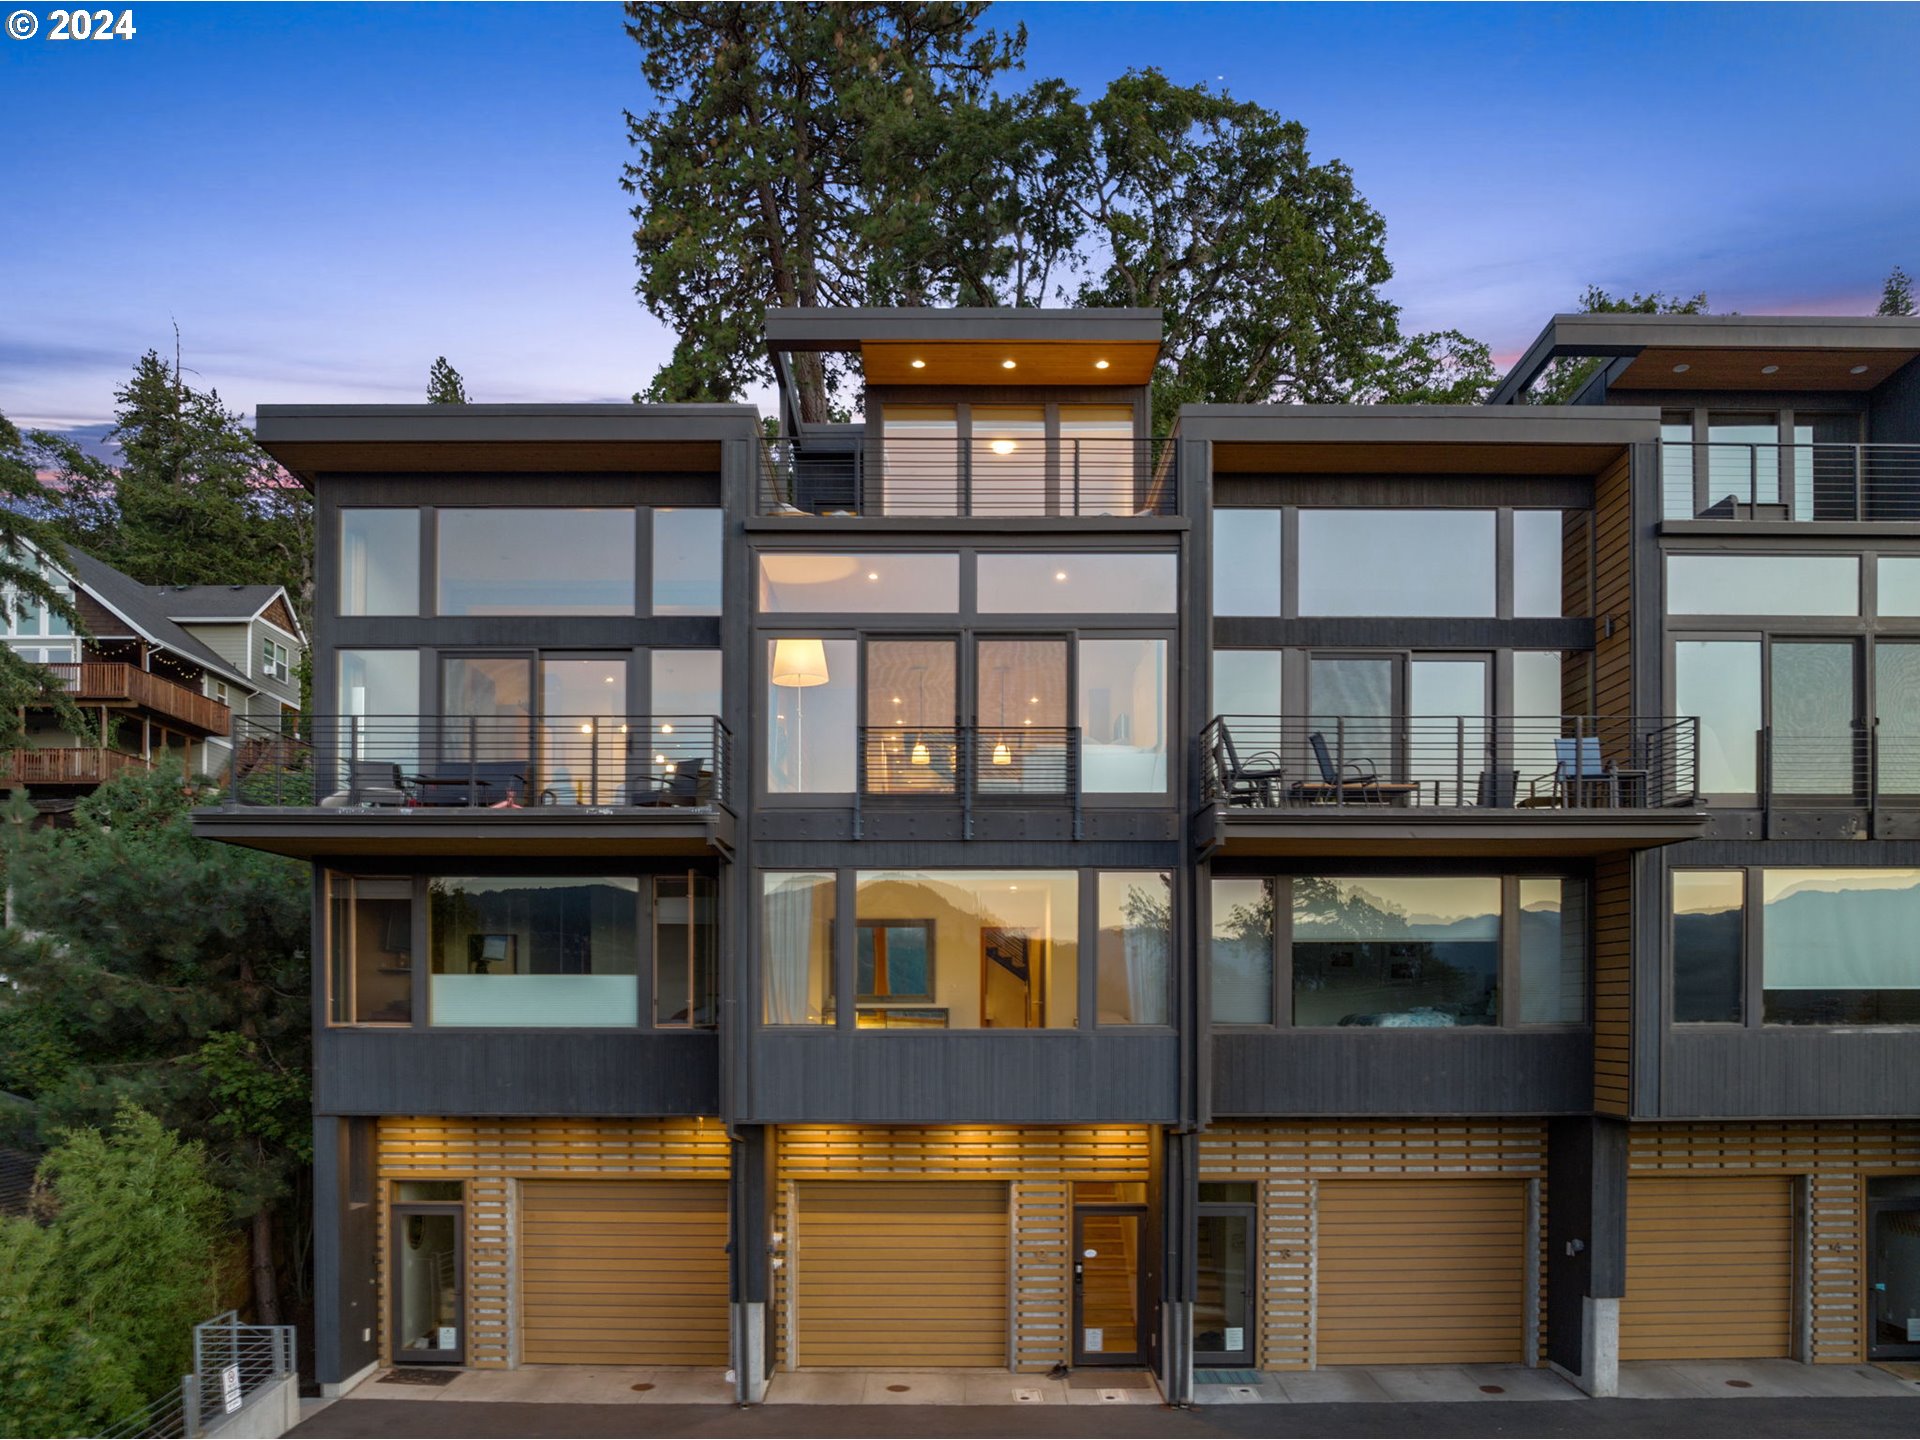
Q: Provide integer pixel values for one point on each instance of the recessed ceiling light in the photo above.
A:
(1769, 369)
(919, 364)
(1059, 574)
(1858, 370)
(1100, 364)
(1006, 364)
(1681, 369)
(873, 574)
(1002, 447)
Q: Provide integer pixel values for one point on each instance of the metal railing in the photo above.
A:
(1857, 768)
(971, 765)
(232, 1364)
(485, 762)
(947, 477)
(1575, 762)
(1817, 480)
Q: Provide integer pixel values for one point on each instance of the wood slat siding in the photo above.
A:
(1289, 1160)
(489, 1155)
(1613, 590)
(1039, 1162)
(1836, 1157)
(623, 1272)
(1420, 1272)
(903, 1273)
(1709, 1268)
(1613, 985)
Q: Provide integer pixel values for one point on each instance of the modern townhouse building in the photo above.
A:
(158, 671)
(987, 886)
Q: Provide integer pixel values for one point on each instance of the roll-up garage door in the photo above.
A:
(1709, 1268)
(1420, 1272)
(907, 1274)
(623, 1272)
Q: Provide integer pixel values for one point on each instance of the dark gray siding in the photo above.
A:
(515, 1072)
(1893, 410)
(1771, 1072)
(1402, 1072)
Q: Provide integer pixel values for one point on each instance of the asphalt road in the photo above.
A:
(1747, 1418)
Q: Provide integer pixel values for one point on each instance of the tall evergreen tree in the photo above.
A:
(1896, 295)
(444, 385)
(196, 1009)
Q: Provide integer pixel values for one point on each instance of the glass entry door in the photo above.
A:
(1109, 1316)
(1893, 1268)
(428, 1286)
(1223, 1307)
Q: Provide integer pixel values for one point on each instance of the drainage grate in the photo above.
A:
(419, 1377)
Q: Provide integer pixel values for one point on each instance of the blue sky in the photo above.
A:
(325, 197)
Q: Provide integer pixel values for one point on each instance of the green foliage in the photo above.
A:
(152, 967)
(24, 501)
(193, 501)
(1896, 295)
(444, 385)
(97, 1306)
(1563, 379)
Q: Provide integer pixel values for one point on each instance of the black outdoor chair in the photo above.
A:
(682, 787)
(1349, 779)
(1254, 782)
(378, 782)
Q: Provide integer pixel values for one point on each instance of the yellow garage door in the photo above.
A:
(623, 1272)
(1709, 1268)
(903, 1275)
(1421, 1272)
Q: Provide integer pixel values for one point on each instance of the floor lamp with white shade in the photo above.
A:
(799, 664)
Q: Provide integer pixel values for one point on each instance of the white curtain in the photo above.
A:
(1146, 953)
(788, 948)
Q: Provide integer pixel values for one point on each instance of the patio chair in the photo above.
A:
(1360, 777)
(1583, 776)
(378, 782)
(1254, 782)
(681, 787)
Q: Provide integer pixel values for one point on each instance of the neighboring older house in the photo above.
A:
(161, 672)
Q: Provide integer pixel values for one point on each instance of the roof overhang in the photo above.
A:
(980, 345)
(492, 439)
(1416, 439)
(314, 833)
(1723, 352)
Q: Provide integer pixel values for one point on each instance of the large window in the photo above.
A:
(1719, 682)
(1395, 952)
(1135, 948)
(1123, 716)
(1246, 682)
(1898, 584)
(1537, 548)
(1552, 921)
(686, 562)
(968, 949)
(1081, 583)
(1835, 947)
(686, 683)
(1241, 952)
(536, 562)
(1763, 585)
(796, 947)
(380, 562)
(686, 944)
(370, 945)
(1397, 562)
(812, 704)
(378, 698)
(1246, 562)
(534, 952)
(903, 582)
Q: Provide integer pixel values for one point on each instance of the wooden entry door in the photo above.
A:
(428, 1292)
(1110, 1314)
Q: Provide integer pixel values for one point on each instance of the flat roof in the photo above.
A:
(851, 328)
(1797, 344)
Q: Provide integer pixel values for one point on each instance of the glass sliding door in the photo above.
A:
(1743, 461)
(1123, 716)
(1817, 746)
(583, 730)
(1447, 742)
(1007, 460)
(920, 461)
(1719, 682)
(1896, 681)
(1351, 707)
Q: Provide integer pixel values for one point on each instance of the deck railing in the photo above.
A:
(485, 762)
(115, 681)
(1859, 768)
(1014, 766)
(1730, 480)
(979, 477)
(76, 765)
(1576, 762)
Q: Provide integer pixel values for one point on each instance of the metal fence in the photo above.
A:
(1728, 480)
(485, 762)
(232, 1364)
(1575, 762)
(983, 476)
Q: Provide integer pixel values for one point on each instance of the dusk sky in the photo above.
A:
(325, 197)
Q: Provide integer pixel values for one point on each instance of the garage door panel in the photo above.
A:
(1420, 1271)
(1710, 1268)
(629, 1272)
(901, 1273)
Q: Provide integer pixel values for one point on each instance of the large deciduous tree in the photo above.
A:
(146, 966)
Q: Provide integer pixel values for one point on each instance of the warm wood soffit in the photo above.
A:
(983, 362)
(1652, 369)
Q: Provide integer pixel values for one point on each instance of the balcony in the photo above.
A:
(1723, 480)
(943, 478)
(1448, 785)
(79, 765)
(109, 682)
(472, 785)
(1856, 784)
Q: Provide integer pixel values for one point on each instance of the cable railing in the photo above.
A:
(921, 476)
(970, 766)
(1471, 762)
(1811, 480)
(1859, 768)
(492, 762)
(234, 1364)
